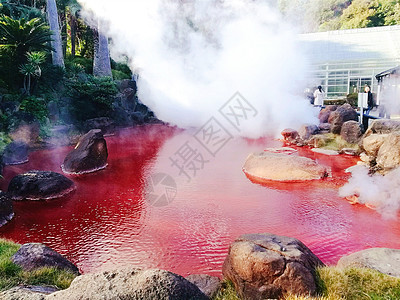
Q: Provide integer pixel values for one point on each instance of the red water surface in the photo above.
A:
(107, 222)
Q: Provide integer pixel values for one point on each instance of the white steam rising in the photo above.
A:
(377, 191)
(192, 56)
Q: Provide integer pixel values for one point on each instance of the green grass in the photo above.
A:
(12, 275)
(335, 142)
(340, 283)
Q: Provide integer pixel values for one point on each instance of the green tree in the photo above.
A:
(32, 69)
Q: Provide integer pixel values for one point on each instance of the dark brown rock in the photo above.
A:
(290, 136)
(263, 266)
(342, 114)
(351, 132)
(39, 185)
(16, 153)
(130, 284)
(209, 285)
(325, 113)
(6, 209)
(106, 125)
(89, 155)
(308, 130)
(34, 255)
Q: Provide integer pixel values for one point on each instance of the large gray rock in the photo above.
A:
(89, 155)
(209, 285)
(6, 209)
(130, 284)
(307, 130)
(383, 126)
(351, 132)
(389, 153)
(383, 260)
(263, 266)
(34, 255)
(27, 292)
(16, 153)
(39, 185)
(267, 165)
(342, 114)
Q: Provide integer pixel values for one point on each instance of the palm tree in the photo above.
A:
(101, 60)
(57, 53)
(21, 36)
(32, 69)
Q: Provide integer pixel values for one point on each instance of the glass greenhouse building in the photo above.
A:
(343, 61)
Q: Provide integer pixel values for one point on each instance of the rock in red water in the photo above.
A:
(282, 167)
(342, 114)
(263, 266)
(39, 185)
(6, 209)
(34, 255)
(89, 155)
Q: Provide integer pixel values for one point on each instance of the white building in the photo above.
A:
(344, 61)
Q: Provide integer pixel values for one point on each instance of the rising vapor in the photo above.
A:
(192, 56)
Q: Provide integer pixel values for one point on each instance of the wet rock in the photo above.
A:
(325, 151)
(209, 285)
(89, 155)
(290, 135)
(39, 185)
(384, 260)
(324, 127)
(106, 125)
(307, 130)
(263, 266)
(27, 292)
(351, 132)
(282, 167)
(389, 153)
(372, 143)
(324, 113)
(130, 284)
(16, 153)
(383, 126)
(342, 114)
(6, 209)
(34, 255)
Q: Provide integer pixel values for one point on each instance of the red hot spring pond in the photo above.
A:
(109, 221)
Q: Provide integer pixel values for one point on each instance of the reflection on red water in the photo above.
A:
(107, 222)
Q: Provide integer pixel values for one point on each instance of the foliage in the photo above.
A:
(227, 292)
(4, 141)
(119, 75)
(352, 99)
(32, 68)
(340, 283)
(12, 275)
(358, 283)
(35, 106)
(17, 38)
(86, 63)
(18, 9)
(92, 96)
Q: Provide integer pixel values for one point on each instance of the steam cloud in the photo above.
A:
(192, 56)
(380, 192)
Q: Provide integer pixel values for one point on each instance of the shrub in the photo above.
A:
(86, 63)
(35, 106)
(118, 75)
(352, 99)
(91, 96)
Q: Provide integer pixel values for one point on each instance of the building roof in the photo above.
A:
(394, 70)
(352, 45)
